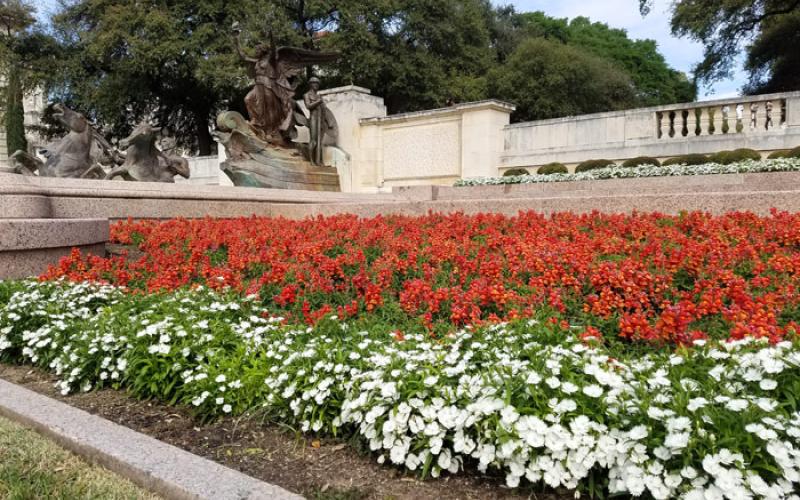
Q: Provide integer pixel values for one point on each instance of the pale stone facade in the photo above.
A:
(377, 152)
(660, 132)
(427, 147)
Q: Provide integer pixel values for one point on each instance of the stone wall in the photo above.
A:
(42, 218)
(437, 146)
(660, 132)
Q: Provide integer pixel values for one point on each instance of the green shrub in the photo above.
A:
(735, 156)
(552, 168)
(783, 153)
(515, 171)
(593, 165)
(640, 161)
(793, 153)
(693, 159)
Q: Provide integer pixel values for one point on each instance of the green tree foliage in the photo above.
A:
(15, 17)
(548, 79)
(415, 54)
(767, 29)
(654, 81)
(15, 114)
(774, 58)
(173, 61)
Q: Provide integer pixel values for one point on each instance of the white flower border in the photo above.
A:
(743, 167)
(702, 423)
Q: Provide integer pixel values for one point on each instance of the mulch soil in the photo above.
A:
(321, 469)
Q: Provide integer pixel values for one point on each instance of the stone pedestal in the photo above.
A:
(349, 105)
(29, 246)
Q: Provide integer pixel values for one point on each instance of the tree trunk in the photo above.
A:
(205, 142)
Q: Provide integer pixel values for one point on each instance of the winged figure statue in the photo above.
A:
(270, 103)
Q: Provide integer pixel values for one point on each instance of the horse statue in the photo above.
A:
(68, 157)
(144, 162)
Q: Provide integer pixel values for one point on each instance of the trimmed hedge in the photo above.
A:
(594, 165)
(641, 160)
(515, 171)
(793, 153)
(693, 159)
(552, 168)
(783, 153)
(735, 156)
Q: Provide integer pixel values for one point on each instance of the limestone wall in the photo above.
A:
(434, 147)
(660, 132)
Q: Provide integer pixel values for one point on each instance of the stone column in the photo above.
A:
(705, 120)
(482, 138)
(349, 105)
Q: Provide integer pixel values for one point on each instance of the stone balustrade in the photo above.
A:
(764, 123)
(745, 115)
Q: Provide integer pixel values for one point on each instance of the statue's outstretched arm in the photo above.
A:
(239, 50)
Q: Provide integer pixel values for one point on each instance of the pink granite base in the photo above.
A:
(19, 264)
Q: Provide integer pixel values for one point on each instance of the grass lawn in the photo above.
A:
(34, 467)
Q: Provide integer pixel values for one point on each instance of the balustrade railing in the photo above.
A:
(747, 116)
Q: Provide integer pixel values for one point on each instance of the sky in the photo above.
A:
(680, 53)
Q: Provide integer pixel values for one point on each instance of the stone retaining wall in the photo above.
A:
(52, 215)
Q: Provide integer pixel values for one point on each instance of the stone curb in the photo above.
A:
(161, 468)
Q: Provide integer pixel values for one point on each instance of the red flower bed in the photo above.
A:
(643, 276)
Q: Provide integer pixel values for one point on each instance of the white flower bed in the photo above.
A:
(529, 400)
(744, 167)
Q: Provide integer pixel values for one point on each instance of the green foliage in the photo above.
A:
(552, 168)
(782, 153)
(175, 62)
(548, 79)
(515, 171)
(768, 30)
(641, 160)
(15, 114)
(794, 153)
(654, 81)
(593, 165)
(737, 155)
(690, 159)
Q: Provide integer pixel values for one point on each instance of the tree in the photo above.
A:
(173, 62)
(15, 18)
(655, 82)
(773, 59)
(724, 27)
(415, 54)
(548, 79)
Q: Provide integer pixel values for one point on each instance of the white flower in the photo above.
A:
(227, 408)
(768, 384)
(220, 379)
(696, 403)
(736, 404)
(569, 388)
(638, 432)
(593, 391)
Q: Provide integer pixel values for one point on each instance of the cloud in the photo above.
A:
(681, 53)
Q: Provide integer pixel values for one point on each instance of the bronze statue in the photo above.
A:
(270, 103)
(144, 162)
(70, 156)
(322, 127)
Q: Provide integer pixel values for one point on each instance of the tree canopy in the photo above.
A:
(25, 52)
(547, 79)
(767, 29)
(122, 61)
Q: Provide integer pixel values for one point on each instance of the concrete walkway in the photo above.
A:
(153, 465)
